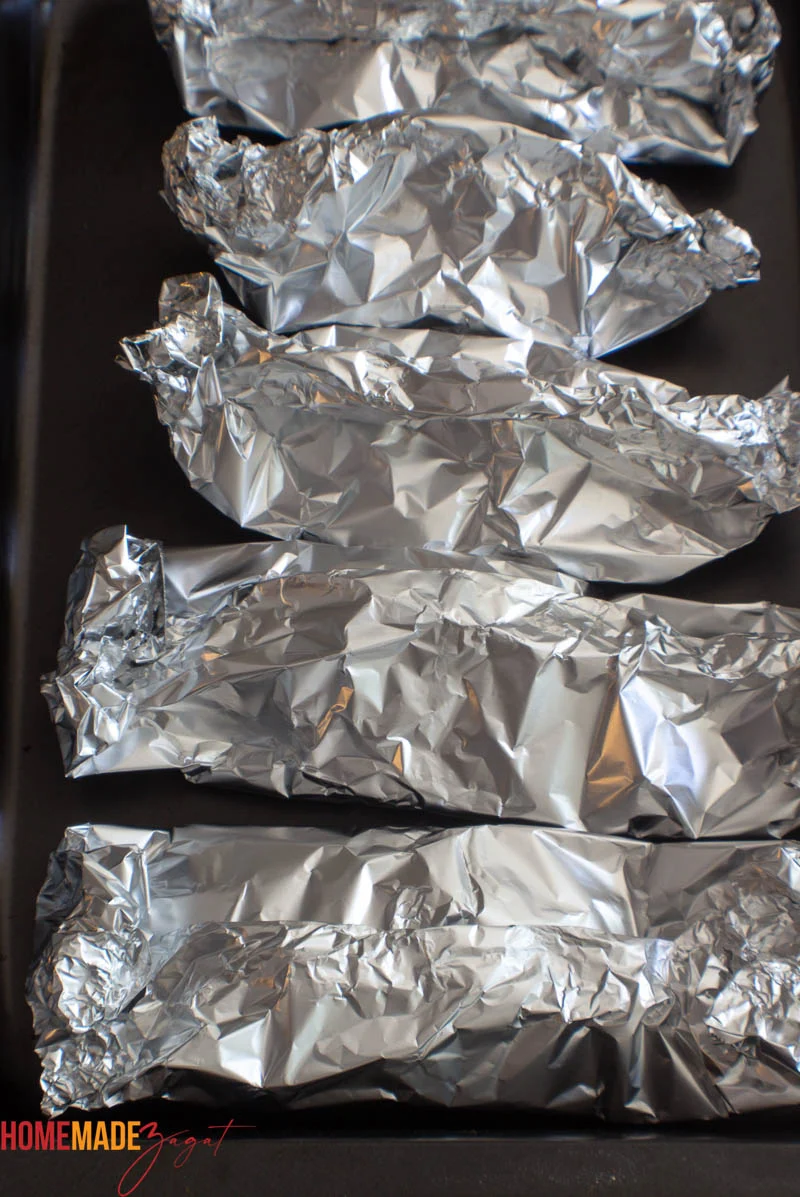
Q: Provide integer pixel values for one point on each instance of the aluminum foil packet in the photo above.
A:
(467, 443)
(672, 80)
(462, 967)
(468, 690)
(472, 222)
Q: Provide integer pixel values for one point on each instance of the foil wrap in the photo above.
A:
(473, 222)
(468, 690)
(468, 443)
(671, 80)
(465, 966)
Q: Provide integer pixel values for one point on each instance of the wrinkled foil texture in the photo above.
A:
(468, 690)
(461, 967)
(472, 222)
(467, 443)
(662, 81)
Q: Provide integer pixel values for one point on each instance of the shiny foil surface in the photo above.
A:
(653, 80)
(471, 690)
(461, 967)
(467, 443)
(473, 222)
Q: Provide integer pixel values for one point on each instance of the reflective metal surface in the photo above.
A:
(659, 80)
(467, 443)
(471, 690)
(473, 965)
(474, 222)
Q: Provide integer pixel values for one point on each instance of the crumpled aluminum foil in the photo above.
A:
(470, 966)
(473, 222)
(460, 442)
(664, 81)
(469, 690)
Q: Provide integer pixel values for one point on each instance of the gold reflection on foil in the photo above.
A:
(612, 770)
(341, 704)
(472, 699)
(254, 356)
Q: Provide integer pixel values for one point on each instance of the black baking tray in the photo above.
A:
(88, 100)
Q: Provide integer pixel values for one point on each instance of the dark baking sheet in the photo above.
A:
(82, 449)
